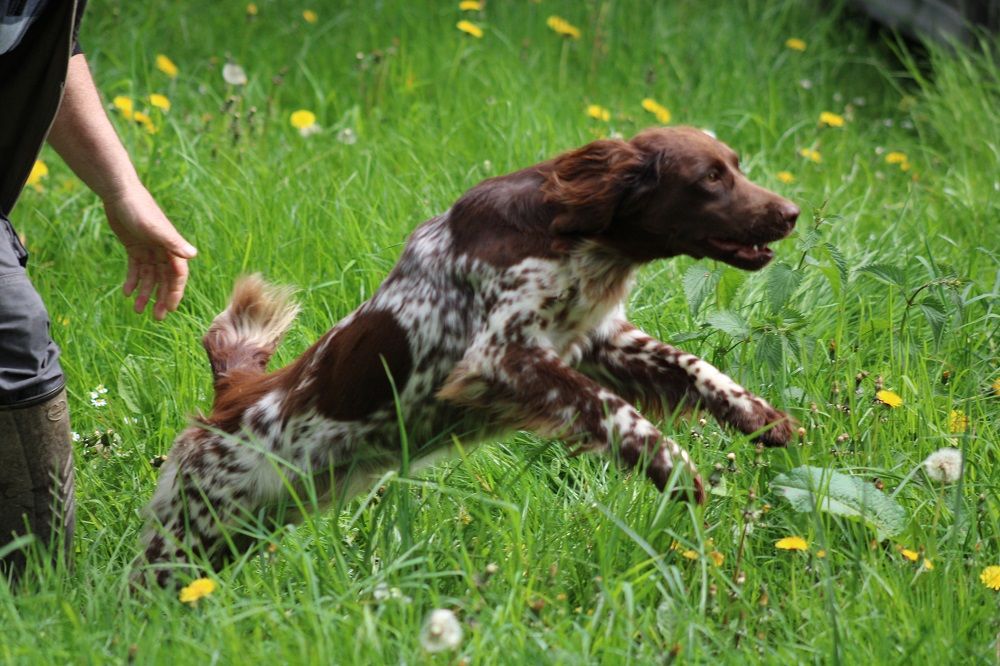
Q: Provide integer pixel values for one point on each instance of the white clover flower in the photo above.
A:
(442, 631)
(944, 465)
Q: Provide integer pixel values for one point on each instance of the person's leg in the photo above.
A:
(36, 467)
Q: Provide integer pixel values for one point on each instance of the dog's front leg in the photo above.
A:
(531, 388)
(651, 373)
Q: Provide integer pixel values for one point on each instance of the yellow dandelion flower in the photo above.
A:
(38, 171)
(821, 554)
(792, 543)
(310, 16)
(911, 555)
(689, 554)
(928, 565)
(167, 66)
(146, 122)
(196, 590)
(124, 106)
(302, 119)
(898, 158)
(996, 386)
(831, 119)
(252, 9)
(470, 28)
(598, 112)
(717, 557)
(889, 398)
(563, 27)
(991, 577)
(795, 44)
(785, 177)
(470, 6)
(160, 101)
(661, 112)
(811, 155)
(957, 421)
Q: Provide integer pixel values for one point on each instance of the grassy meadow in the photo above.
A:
(890, 283)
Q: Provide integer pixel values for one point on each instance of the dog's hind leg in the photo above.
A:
(208, 485)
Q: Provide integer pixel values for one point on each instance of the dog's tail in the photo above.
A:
(245, 335)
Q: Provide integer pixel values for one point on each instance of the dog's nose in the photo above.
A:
(789, 213)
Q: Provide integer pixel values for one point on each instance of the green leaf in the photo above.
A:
(838, 259)
(730, 283)
(782, 281)
(810, 489)
(809, 239)
(935, 314)
(698, 283)
(770, 351)
(886, 273)
(729, 322)
(130, 381)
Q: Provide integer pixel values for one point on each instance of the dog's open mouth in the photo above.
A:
(748, 256)
(757, 255)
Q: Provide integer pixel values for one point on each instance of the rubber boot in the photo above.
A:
(36, 480)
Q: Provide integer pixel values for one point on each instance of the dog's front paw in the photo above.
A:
(753, 416)
(779, 426)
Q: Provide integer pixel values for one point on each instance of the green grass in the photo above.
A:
(586, 572)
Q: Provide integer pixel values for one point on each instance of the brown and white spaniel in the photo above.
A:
(505, 312)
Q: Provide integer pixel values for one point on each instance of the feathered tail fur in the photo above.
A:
(244, 336)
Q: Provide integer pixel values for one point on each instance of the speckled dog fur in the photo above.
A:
(506, 312)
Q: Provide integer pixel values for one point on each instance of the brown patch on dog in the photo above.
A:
(349, 379)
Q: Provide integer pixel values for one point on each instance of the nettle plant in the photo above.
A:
(773, 314)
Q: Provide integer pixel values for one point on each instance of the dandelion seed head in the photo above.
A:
(233, 74)
(944, 465)
(441, 631)
(347, 136)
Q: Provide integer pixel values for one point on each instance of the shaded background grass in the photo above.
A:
(587, 564)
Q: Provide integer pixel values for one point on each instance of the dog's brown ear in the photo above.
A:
(588, 183)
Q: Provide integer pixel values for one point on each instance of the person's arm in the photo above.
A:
(85, 139)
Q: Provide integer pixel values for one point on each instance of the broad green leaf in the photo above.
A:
(886, 273)
(782, 281)
(130, 381)
(838, 259)
(935, 314)
(698, 283)
(770, 351)
(730, 283)
(810, 489)
(729, 322)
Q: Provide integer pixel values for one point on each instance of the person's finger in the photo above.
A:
(131, 276)
(160, 309)
(172, 290)
(171, 241)
(146, 283)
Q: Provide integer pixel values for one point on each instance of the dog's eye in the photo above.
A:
(713, 176)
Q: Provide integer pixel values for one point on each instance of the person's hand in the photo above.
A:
(157, 254)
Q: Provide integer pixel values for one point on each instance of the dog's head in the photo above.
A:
(668, 191)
